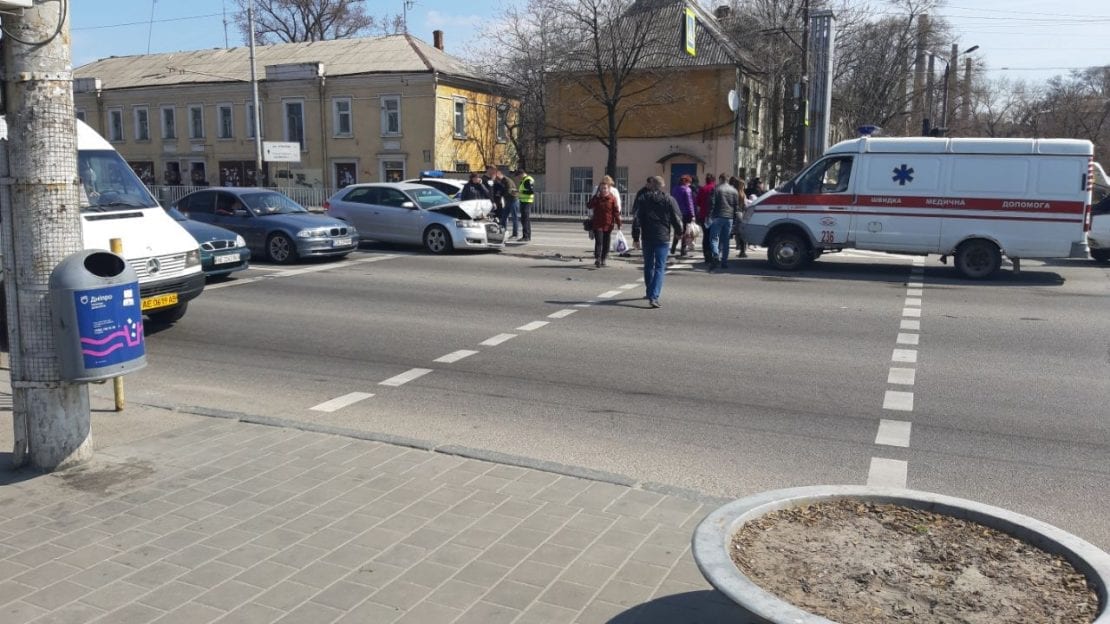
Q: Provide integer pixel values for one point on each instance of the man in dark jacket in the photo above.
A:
(474, 189)
(724, 210)
(656, 218)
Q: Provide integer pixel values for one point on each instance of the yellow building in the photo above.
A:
(679, 120)
(362, 110)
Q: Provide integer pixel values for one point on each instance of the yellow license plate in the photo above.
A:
(161, 301)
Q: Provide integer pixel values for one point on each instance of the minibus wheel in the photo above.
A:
(788, 251)
(978, 258)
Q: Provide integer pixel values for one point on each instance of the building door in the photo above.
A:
(680, 169)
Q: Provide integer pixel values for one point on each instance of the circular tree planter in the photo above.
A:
(714, 534)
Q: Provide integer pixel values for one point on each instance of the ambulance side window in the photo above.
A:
(828, 176)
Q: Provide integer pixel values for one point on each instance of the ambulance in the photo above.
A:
(973, 199)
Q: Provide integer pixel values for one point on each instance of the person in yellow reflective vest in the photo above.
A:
(527, 195)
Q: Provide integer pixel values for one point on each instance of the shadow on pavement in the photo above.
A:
(698, 607)
(10, 475)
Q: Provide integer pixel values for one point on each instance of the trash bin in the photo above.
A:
(98, 319)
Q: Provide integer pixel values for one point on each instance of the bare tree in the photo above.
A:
(289, 21)
(616, 70)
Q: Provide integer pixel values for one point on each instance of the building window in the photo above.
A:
(393, 170)
(346, 173)
(294, 122)
(462, 166)
(622, 180)
(391, 115)
(196, 121)
(581, 184)
(460, 118)
(757, 103)
(250, 120)
(169, 122)
(745, 103)
(115, 124)
(502, 124)
(80, 114)
(341, 116)
(142, 124)
(225, 121)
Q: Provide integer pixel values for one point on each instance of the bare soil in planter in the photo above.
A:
(859, 563)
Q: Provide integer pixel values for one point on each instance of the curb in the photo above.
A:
(713, 534)
(494, 457)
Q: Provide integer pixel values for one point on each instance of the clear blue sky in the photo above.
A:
(1033, 39)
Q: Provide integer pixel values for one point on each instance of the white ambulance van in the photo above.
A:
(116, 204)
(973, 199)
(1098, 238)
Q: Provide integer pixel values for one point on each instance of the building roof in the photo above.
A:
(393, 54)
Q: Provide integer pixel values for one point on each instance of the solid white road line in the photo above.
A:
(914, 292)
(276, 273)
(561, 313)
(496, 340)
(238, 282)
(534, 325)
(887, 473)
(894, 433)
(913, 302)
(609, 294)
(341, 402)
(909, 324)
(898, 401)
(909, 339)
(584, 304)
(406, 377)
(913, 312)
(905, 355)
(451, 358)
(901, 376)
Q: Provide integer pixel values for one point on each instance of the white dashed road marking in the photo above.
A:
(894, 433)
(627, 286)
(496, 340)
(909, 339)
(406, 377)
(912, 312)
(451, 358)
(901, 376)
(609, 294)
(913, 302)
(907, 324)
(534, 325)
(561, 313)
(904, 355)
(914, 292)
(339, 403)
(898, 401)
(887, 473)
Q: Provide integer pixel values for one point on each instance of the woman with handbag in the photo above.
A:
(606, 214)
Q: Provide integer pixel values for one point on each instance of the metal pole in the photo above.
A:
(944, 105)
(259, 177)
(927, 120)
(803, 108)
(41, 226)
(116, 245)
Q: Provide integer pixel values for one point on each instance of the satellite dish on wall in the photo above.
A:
(733, 100)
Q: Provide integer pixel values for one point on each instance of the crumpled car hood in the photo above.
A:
(469, 209)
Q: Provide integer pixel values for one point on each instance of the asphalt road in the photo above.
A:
(745, 380)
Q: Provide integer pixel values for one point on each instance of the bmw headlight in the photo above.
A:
(240, 241)
(467, 223)
(192, 258)
(312, 233)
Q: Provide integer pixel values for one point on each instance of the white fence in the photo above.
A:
(547, 205)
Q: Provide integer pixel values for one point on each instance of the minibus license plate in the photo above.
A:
(161, 301)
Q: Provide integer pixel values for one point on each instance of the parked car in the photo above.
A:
(416, 214)
(222, 252)
(273, 225)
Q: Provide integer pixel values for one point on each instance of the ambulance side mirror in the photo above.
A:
(787, 188)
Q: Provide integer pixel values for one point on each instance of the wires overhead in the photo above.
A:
(63, 10)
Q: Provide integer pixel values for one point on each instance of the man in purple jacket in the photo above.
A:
(684, 197)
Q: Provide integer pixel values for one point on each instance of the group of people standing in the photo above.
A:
(512, 199)
(662, 222)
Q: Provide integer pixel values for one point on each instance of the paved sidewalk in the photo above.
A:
(216, 520)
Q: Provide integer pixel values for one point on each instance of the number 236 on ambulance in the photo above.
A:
(973, 199)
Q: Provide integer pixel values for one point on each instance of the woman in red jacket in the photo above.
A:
(606, 214)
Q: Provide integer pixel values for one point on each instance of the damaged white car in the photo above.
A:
(416, 214)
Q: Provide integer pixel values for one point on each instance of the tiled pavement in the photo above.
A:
(222, 521)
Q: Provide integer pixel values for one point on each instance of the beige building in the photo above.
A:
(681, 125)
(362, 110)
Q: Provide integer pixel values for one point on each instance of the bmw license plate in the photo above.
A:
(341, 242)
(227, 258)
(161, 301)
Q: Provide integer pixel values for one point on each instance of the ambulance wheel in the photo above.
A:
(978, 258)
(788, 252)
(1100, 255)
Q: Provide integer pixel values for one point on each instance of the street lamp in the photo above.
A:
(947, 73)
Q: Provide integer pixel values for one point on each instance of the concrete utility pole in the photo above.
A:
(803, 91)
(41, 225)
(259, 177)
